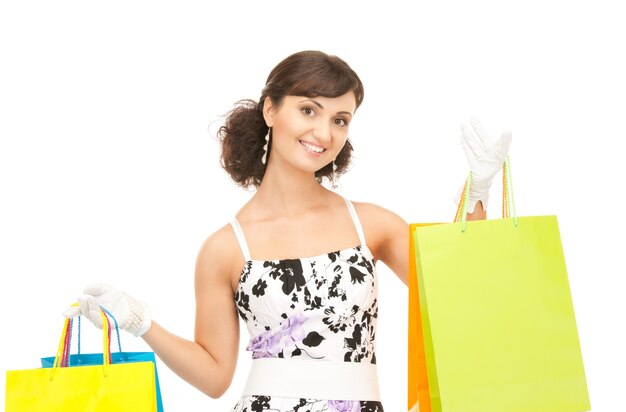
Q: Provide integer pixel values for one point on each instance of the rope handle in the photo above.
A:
(508, 202)
(62, 358)
(117, 329)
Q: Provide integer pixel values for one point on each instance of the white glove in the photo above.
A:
(485, 159)
(131, 315)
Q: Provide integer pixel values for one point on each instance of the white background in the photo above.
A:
(109, 166)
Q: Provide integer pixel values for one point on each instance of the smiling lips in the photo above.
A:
(312, 148)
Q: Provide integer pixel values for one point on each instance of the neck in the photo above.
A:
(287, 193)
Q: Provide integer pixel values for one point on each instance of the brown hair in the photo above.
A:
(306, 73)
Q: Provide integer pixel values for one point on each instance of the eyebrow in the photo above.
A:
(318, 104)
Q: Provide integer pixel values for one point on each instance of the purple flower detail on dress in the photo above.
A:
(270, 343)
(344, 406)
(266, 345)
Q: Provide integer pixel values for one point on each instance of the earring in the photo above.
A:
(333, 178)
(267, 142)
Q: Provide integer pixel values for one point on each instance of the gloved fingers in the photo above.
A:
(97, 289)
(90, 308)
(481, 133)
(469, 153)
(470, 143)
(504, 143)
(72, 312)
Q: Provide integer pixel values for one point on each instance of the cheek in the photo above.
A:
(341, 136)
(292, 127)
(338, 145)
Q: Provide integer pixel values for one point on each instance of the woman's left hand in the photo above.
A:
(485, 159)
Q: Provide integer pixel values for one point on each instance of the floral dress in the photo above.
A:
(320, 308)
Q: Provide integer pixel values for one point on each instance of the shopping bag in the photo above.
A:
(84, 359)
(417, 375)
(498, 331)
(108, 386)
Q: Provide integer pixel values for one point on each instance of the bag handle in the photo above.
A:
(508, 201)
(117, 330)
(62, 356)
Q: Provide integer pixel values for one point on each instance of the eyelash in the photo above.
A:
(306, 109)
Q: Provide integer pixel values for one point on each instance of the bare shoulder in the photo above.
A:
(375, 213)
(219, 256)
(380, 225)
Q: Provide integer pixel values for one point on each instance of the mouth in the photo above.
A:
(311, 148)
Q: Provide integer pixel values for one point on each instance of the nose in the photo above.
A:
(322, 132)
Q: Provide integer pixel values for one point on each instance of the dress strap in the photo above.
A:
(241, 239)
(356, 221)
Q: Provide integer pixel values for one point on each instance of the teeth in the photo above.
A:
(315, 149)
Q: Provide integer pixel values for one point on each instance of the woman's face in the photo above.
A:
(309, 132)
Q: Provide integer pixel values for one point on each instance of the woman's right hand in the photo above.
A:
(131, 315)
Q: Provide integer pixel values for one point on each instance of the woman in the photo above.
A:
(297, 263)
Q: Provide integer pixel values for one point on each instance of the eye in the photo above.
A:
(308, 111)
(341, 122)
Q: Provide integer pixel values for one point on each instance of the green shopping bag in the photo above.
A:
(497, 316)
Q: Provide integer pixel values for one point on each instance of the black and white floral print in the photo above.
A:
(321, 308)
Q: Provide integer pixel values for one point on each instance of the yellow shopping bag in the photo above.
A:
(497, 324)
(123, 387)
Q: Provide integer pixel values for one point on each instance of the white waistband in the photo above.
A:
(295, 378)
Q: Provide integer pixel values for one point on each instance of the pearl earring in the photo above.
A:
(333, 178)
(267, 142)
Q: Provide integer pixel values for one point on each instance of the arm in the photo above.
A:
(387, 236)
(208, 362)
